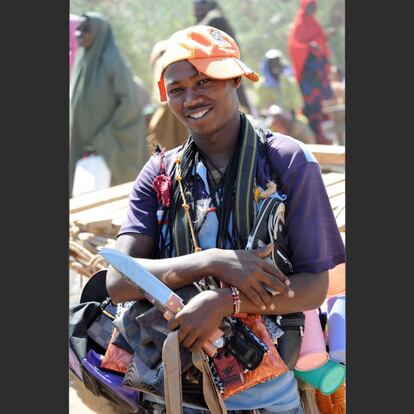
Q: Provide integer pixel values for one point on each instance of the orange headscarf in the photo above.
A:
(305, 29)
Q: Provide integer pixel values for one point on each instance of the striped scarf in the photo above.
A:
(238, 194)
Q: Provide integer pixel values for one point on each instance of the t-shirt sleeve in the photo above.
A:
(313, 236)
(142, 207)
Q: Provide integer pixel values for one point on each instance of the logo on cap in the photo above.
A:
(218, 37)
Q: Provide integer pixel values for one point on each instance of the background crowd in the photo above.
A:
(297, 47)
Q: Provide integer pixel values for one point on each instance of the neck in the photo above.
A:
(219, 147)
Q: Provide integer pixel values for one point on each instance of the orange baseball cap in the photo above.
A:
(211, 51)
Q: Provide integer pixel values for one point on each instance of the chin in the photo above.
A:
(200, 131)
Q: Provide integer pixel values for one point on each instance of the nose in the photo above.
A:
(191, 98)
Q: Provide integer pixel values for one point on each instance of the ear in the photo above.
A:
(237, 82)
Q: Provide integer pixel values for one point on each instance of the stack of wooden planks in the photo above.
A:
(335, 187)
(94, 222)
(95, 218)
(330, 157)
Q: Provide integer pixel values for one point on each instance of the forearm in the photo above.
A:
(310, 291)
(174, 272)
(179, 271)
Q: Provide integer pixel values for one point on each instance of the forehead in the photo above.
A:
(275, 61)
(179, 71)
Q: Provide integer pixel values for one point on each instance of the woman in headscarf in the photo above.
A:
(105, 113)
(279, 85)
(309, 53)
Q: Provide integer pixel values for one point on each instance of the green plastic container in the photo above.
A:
(327, 378)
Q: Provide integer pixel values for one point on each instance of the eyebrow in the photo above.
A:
(174, 82)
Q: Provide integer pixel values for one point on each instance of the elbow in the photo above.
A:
(115, 298)
(113, 286)
(113, 294)
(119, 290)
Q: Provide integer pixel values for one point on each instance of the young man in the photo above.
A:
(220, 167)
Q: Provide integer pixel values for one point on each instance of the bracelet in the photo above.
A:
(236, 299)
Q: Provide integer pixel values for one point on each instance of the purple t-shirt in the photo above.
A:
(313, 236)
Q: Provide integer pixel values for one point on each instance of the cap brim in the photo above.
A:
(223, 68)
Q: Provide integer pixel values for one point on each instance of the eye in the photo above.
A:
(174, 91)
(204, 81)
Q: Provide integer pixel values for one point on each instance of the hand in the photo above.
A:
(248, 270)
(201, 317)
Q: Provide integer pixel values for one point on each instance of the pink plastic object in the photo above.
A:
(312, 352)
(73, 24)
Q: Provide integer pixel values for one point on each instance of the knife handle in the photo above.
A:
(174, 305)
(209, 347)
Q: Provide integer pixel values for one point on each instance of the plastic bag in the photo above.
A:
(91, 174)
(272, 364)
(116, 358)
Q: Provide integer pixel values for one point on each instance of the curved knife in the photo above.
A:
(154, 290)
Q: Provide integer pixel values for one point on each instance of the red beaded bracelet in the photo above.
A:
(236, 299)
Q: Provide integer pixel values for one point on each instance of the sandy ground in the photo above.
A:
(82, 401)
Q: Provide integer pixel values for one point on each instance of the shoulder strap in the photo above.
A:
(264, 134)
(172, 378)
(172, 374)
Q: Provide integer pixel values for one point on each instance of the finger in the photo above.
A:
(272, 291)
(275, 283)
(183, 333)
(263, 251)
(173, 324)
(269, 267)
(198, 344)
(189, 340)
(254, 297)
(263, 294)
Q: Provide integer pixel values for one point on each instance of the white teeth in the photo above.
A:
(199, 114)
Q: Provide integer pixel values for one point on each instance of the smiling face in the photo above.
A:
(206, 106)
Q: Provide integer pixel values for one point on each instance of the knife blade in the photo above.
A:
(154, 290)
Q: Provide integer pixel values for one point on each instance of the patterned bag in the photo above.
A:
(90, 330)
(101, 328)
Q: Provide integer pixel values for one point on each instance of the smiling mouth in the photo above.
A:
(199, 114)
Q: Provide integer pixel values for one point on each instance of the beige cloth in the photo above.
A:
(172, 379)
(165, 129)
(172, 374)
